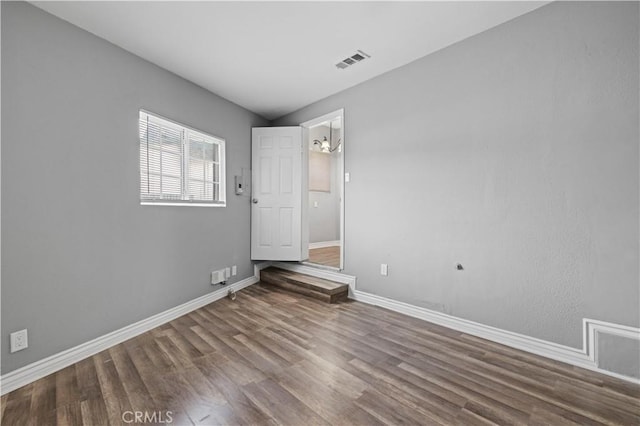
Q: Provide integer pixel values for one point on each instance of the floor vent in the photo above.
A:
(352, 60)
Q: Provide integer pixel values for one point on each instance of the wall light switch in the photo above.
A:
(384, 269)
(234, 270)
(347, 177)
(315, 204)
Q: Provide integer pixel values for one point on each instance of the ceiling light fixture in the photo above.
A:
(325, 144)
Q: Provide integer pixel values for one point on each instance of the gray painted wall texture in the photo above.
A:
(515, 153)
(80, 256)
(612, 355)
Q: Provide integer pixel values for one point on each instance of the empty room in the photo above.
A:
(332, 213)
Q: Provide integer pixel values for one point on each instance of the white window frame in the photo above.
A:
(185, 132)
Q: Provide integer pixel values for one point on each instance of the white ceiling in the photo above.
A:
(276, 57)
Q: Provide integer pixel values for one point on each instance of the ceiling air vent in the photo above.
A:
(352, 60)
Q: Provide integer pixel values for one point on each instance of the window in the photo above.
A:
(179, 165)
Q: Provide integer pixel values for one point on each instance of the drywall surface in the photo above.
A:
(613, 355)
(514, 153)
(324, 207)
(80, 256)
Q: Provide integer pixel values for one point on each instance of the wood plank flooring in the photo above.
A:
(272, 357)
(328, 256)
(318, 288)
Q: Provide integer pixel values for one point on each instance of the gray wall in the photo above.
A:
(81, 257)
(613, 355)
(515, 153)
(324, 220)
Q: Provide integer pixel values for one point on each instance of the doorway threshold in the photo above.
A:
(319, 266)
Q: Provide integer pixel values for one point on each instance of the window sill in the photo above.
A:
(148, 203)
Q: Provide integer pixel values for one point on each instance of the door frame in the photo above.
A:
(305, 136)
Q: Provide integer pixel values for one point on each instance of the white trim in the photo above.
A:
(592, 329)
(586, 357)
(36, 370)
(326, 117)
(341, 166)
(160, 203)
(338, 277)
(177, 125)
(257, 267)
(185, 135)
(319, 266)
(324, 244)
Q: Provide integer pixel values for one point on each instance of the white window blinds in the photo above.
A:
(179, 165)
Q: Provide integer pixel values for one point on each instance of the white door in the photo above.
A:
(278, 184)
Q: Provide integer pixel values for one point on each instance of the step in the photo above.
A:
(319, 288)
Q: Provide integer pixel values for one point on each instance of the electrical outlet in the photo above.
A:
(227, 272)
(217, 277)
(384, 269)
(19, 341)
(234, 270)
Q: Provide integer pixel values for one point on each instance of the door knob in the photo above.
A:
(254, 201)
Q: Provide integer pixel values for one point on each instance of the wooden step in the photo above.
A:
(319, 288)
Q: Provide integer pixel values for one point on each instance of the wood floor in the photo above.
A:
(328, 256)
(318, 288)
(272, 357)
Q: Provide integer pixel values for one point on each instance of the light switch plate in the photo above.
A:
(384, 269)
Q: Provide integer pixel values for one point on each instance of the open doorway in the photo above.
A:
(324, 139)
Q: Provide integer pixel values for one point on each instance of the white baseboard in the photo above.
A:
(324, 244)
(56, 362)
(586, 357)
(592, 330)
